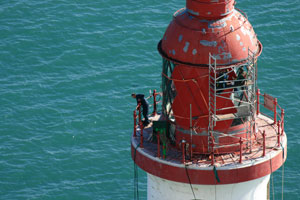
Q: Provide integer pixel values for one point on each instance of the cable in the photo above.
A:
(136, 177)
(282, 180)
(187, 174)
(272, 179)
(282, 175)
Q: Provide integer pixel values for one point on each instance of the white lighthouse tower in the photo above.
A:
(216, 136)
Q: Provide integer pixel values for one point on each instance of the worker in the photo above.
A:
(140, 99)
(242, 75)
(222, 80)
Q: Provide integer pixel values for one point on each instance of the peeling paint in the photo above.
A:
(244, 49)
(173, 52)
(186, 47)
(180, 38)
(209, 43)
(225, 55)
(241, 43)
(208, 13)
(194, 51)
(219, 25)
(203, 31)
(247, 32)
(238, 37)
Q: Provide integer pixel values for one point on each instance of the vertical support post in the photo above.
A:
(278, 135)
(212, 153)
(191, 146)
(282, 121)
(134, 123)
(142, 129)
(254, 130)
(154, 103)
(275, 110)
(183, 151)
(139, 109)
(264, 143)
(158, 144)
(241, 148)
(257, 102)
(278, 126)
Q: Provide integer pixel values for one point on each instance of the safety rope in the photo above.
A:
(136, 178)
(187, 174)
(282, 175)
(200, 91)
(272, 179)
(282, 181)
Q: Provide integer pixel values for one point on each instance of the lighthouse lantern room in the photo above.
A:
(216, 136)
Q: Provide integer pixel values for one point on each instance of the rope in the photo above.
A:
(272, 179)
(282, 181)
(136, 178)
(187, 174)
(282, 175)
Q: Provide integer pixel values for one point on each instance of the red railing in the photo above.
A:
(269, 103)
(272, 105)
(138, 117)
(266, 100)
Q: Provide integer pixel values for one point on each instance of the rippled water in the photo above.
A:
(67, 69)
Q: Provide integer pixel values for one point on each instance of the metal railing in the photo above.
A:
(271, 104)
(137, 115)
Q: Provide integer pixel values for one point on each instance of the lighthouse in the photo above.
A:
(216, 136)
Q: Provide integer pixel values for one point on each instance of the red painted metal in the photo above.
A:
(282, 121)
(258, 104)
(264, 143)
(134, 123)
(226, 37)
(139, 109)
(198, 176)
(141, 137)
(210, 9)
(154, 102)
(275, 110)
(278, 134)
(201, 28)
(209, 27)
(241, 150)
(212, 152)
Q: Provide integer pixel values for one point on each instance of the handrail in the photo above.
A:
(266, 100)
(271, 104)
(138, 109)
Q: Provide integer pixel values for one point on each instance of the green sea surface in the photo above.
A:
(67, 69)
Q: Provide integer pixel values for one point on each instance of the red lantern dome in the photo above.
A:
(191, 36)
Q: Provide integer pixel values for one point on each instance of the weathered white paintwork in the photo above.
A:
(161, 189)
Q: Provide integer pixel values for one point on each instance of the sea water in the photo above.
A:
(67, 69)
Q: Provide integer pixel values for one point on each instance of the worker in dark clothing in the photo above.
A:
(140, 98)
(242, 75)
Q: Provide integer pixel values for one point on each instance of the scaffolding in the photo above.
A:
(240, 81)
